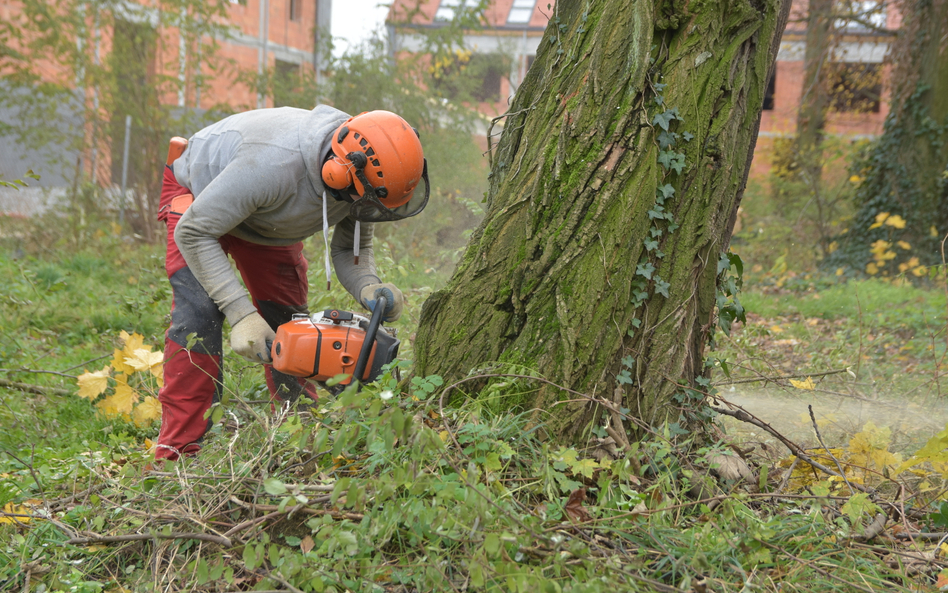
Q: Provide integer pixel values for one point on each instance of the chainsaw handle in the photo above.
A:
(374, 322)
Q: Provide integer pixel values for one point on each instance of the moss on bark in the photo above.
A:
(549, 279)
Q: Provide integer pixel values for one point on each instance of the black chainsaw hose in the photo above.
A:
(370, 333)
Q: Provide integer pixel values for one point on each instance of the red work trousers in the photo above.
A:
(276, 279)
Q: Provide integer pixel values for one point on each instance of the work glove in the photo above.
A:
(250, 336)
(394, 301)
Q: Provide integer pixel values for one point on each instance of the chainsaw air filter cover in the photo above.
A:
(328, 344)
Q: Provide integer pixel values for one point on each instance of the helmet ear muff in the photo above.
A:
(336, 174)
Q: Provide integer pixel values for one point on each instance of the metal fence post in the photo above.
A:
(128, 130)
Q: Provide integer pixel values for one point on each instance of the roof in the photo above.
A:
(515, 15)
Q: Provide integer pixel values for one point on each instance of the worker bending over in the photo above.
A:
(253, 186)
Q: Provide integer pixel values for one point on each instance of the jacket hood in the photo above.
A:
(316, 130)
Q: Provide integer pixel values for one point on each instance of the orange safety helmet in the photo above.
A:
(379, 156)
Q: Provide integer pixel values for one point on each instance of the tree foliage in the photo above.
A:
(902, 174)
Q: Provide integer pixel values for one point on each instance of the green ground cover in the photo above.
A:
(388, 490)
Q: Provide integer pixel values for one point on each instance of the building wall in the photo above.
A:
(780, 121)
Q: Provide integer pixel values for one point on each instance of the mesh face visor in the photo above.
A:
(369, 208)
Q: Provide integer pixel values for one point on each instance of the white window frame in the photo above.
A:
(521, 12)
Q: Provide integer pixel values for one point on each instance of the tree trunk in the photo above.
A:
(811, 118)
(613, 193)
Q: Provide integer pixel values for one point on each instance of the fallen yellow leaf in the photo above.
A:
(91, 385)
(808, 384)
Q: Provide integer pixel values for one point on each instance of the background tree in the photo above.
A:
(613, 192)
(902, 200)
(75, 69)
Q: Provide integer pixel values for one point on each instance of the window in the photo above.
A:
(286, 82)
(296, 9)
(864, 15)
(855, 87)
(771, 89)
(473, 77)
(447, 8)
(521, 12)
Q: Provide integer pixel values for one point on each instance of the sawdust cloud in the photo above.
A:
(912, 421)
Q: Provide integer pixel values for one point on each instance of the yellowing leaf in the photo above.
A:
(147, 412)
(904, 245)
(132, 280)
(896, 221)
(855, 179)
(880, 218)
(91, 385)
(776, 329)
(118, 362)
(872, 269)
(144, 360)
(807, 384)
(132, 342)
(122, 401)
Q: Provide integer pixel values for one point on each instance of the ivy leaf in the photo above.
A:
(656, 232)
(91, 385)
(661, 287)
(645, 270)
(624, 378)
(663, 119)
(688, 136)
(651, 244)
(665, 158)
(678, 162)
(667, 191)
(657, 212)
(628, 361)
(672, 227)
(667, 140)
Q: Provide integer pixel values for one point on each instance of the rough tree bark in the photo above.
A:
(604, 229)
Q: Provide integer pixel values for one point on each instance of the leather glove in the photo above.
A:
(394, 301)
(249, 338)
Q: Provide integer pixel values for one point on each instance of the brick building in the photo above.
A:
(513, 29)
(280, 36)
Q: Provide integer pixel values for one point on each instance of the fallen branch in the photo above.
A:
(745, 416)
(766, 379)
(873, 529)
(133, 537)
(37, 389)
(301, 508)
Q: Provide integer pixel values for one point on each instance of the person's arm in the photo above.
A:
(239, 191)
(353, 277)
(361, 280)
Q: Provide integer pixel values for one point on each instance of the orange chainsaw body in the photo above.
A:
(322, 347)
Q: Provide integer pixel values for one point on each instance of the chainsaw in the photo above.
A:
(333, 343)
